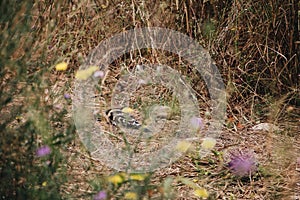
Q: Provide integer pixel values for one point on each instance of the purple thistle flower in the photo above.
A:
(43, 151)
(67, 96)
(242, 163)
(100, 195)
(197, 122)
(98, 74)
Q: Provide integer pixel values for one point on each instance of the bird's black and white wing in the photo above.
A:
(121, 119)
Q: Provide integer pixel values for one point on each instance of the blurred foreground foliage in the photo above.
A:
(26, 119)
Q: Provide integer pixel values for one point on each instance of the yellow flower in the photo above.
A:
(131, 196)
(123, 175)
(127, 110)
(209, 143)
(61, 66)
(138, 177)
(115, 179)
(201, 193)
(86, 73)
(44, 184)
(183, 146)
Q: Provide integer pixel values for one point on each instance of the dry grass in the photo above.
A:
(255, 45)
